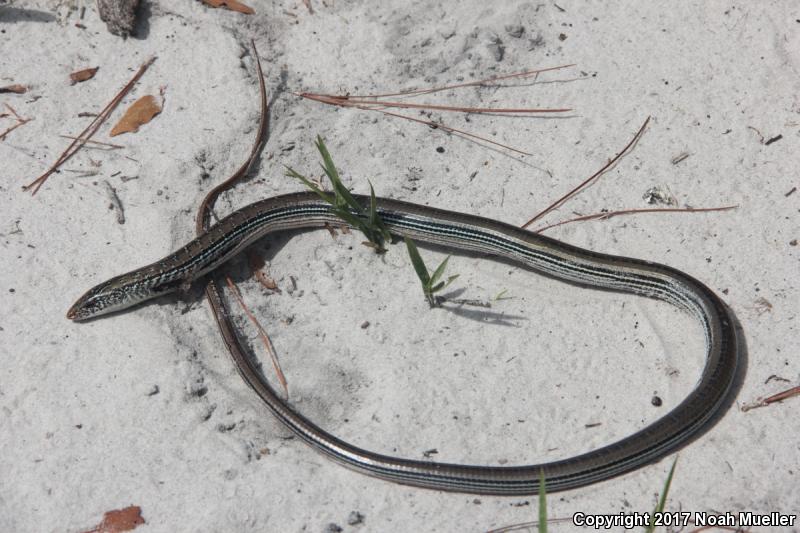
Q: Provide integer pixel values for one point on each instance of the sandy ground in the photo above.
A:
(145, 408)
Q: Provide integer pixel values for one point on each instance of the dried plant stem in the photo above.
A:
(91, 141)
(20, 122)
(591, 178)
(365, 103)
(485, 81)
(794, 391)
(261, 334)
(610, 214)
(455, 131)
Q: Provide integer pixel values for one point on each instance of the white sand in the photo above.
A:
(83, 435)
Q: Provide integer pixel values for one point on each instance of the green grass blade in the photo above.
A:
(350, 218)
(419, 264)
(330, 169)
(450, 280)
(542, 503)
(374, 220)
(439, 270)
(292, 173)
(663, 499)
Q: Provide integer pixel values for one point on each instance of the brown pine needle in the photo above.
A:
(370, 103)
(12, 128)
(14, 112)
(261, 333)
(591, 178)
(794, 391)
(204, 211)
(360, 103)
(91, 141)
(610, 214)
(449, 129)
(90, 130)
(419, 92)
(20, 122)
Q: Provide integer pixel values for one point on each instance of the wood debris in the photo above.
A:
(232, 5)
(82, 75)
(15, 88)
(119, 520)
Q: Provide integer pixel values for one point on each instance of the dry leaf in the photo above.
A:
(119, 520)
(83, 75)
(141, 112)
(18, 89)
(233, 5)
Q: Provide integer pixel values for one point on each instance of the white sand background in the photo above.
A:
(83, 431)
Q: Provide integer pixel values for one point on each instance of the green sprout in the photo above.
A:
(345, 206)
(502, 295)
(542, 503)
(662, 500)
(430, 282)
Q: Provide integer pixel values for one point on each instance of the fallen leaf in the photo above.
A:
(18, 89)
(233, 5)
(141, 112)
(83, 75)
(119, 520)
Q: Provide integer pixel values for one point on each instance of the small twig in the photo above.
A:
(14, 112)
(419, 92)
(83, 173)
(90, 130)
(591, 178)
(455, 131)
(115, 203)
(763, 402)
(12, 128)
(679, 158)
(610, 214)
(16, 89)
(760, 135)
(20, 121)
(773, 139)
(91, 141)
(359, 102)
(261, 333)
(307, 3)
